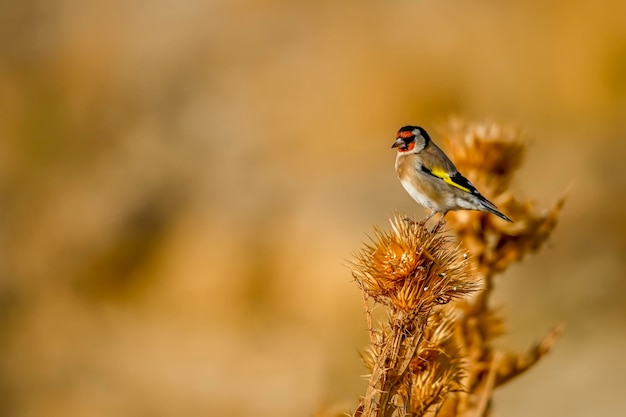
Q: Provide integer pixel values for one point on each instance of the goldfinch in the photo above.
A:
(429, 176)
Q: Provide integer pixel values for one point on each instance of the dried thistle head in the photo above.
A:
(411, 268)
(435, 366)
(489, 154)
(437, 361)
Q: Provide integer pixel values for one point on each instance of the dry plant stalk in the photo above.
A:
(434, 353)
(413, 359)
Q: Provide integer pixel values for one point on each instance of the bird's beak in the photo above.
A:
(398, 142)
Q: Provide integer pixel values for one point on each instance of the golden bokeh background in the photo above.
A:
(182, 183)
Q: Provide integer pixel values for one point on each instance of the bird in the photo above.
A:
(430, 177)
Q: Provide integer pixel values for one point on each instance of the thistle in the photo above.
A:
(434, 354)
(412, 269)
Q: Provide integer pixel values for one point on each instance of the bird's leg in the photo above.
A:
(421, 222)
(424, 220)
(408, 220)
(441, 221)
(428, 217)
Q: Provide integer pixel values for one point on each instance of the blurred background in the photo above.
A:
(183, 182)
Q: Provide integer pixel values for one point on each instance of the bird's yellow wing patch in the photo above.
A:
(440, 173)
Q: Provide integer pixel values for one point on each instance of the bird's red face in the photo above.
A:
(411, 139)
(405, 141)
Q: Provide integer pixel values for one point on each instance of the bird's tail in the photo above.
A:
(489, 207)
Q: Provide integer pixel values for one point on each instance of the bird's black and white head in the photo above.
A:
(411, 139)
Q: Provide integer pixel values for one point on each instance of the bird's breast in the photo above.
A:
(419, 186)
(416, 193)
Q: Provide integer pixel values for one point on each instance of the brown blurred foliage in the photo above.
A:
(181, 180)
